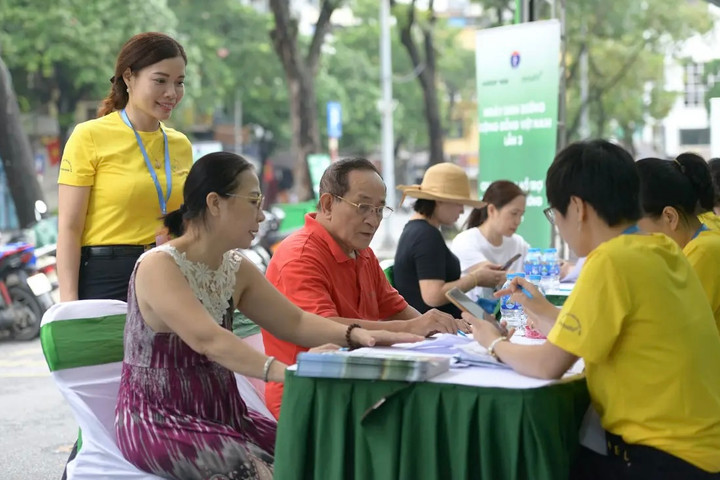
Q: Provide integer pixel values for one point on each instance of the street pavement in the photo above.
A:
(37, 429)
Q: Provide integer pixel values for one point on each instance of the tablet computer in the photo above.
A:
(465, 303)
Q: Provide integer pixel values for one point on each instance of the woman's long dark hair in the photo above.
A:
(498, 194)
(215, 172)
(684, 184)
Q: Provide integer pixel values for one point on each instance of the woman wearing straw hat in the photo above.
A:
(425, 268)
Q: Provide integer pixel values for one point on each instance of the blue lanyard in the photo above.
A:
(630, 229)
(702, 228)
(168, 171)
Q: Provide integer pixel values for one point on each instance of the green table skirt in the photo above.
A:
(343, 429)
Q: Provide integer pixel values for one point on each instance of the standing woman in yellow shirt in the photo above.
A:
(122, 171)
(637, 317)
(672, 195)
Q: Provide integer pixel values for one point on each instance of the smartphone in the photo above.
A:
(511, 261)
(464, 303)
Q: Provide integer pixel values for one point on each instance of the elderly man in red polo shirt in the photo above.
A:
(327, 267)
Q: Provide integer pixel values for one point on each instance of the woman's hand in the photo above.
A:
(371, 338)
(565, 268)
(541, 312)
(484, 331)
(488, 274)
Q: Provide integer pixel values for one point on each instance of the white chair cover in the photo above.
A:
(92, 391)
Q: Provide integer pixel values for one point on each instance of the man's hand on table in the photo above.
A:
(439, 322)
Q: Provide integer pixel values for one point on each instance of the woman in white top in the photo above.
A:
(490, 233)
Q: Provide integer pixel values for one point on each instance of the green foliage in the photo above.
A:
(63, 51)
(235, 58)
(627, 44)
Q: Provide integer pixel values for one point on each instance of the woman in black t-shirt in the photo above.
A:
(425, 268)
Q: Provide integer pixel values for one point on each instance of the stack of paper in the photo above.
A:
(475, 354)
(368, 364)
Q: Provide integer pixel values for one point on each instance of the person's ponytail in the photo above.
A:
(117, 99)
(477, 217)
(697, 172)
(175, 222)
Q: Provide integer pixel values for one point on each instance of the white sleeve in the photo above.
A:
(467, 251)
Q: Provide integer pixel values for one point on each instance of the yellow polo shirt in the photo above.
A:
(703, 253)
(124, 208)
(710, 219)
(639, 318)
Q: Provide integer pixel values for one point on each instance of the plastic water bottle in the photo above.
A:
(507, 307)
(550, 268)
(532, 262)
(537, 281)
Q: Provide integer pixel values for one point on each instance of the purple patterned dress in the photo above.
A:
(179, 414)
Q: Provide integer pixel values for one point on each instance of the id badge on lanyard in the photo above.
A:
(162, 198)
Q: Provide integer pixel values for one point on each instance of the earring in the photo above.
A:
(127, 90)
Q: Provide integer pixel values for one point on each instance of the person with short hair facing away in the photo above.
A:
(425, 269)
(490, 234)
(638, 318)
(673, 194)
(328, 268)
(712, 218)
(122, 171)
(179, 413)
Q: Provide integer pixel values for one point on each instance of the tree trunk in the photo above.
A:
(426, 77)
(17, 156)
(300, 74)
(305, 134)
(428, 80)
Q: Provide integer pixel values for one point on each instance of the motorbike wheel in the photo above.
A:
(29, 307)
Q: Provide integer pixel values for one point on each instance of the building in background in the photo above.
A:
(687, 125)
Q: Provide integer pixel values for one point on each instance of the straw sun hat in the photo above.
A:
(444, 182)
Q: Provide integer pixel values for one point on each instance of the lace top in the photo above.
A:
(212, 287)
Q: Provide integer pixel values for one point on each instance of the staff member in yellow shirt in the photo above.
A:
(639, 319)
(712, 218)
(122, 171)
(672, 194)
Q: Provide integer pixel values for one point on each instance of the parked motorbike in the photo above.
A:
(25, 291)
(268, 236)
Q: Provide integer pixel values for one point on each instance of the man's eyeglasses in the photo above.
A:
(365, 209)
(256, 200)
(550, 215)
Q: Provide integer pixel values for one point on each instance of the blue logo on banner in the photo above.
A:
(334, 120)
(515, 59)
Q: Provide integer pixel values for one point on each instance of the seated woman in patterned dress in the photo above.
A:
(179, 414)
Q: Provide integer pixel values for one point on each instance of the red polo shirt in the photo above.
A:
(311, 269)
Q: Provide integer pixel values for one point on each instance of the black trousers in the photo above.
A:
(634, 462)
(104, 277)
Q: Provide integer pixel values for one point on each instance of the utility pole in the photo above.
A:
(386, 107)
